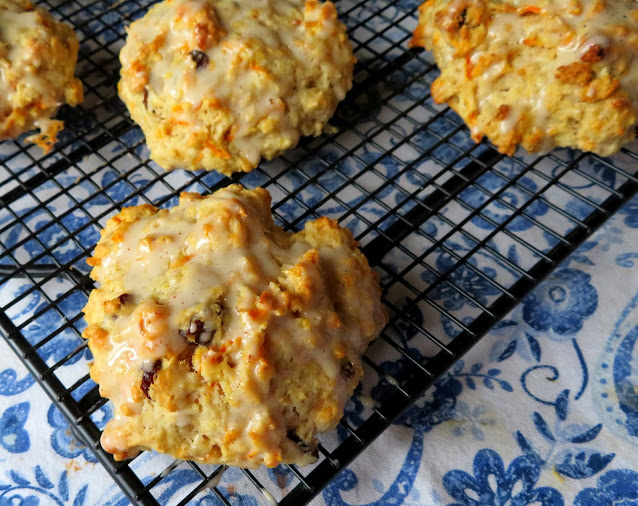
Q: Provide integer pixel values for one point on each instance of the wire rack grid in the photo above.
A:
(457, 232)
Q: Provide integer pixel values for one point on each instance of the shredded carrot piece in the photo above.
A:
(217, 151)
(531, 41)
(469, 67)
(257, 68)
(213, 103)
(529, 9)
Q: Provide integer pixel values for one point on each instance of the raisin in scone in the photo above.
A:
(220, 84)
(220, 338)
(542, 74)
(37, 66)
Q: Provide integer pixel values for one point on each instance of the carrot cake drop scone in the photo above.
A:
(37, 66)
(221, 338)
(220, 84)
(542, 74)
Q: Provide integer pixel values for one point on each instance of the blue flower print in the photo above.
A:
(21, 491)
(13, 437)
(470, 420)
(408, 5)
(617, 487)
(464, 278)
(561, 303)
(514, 486)
(598, 171)
(234, 497)
(62, 439)
(11, 385)
(439, 407)
(66, 341)
(282, 476)
(499, 210)
(631, 212)
(577, 209)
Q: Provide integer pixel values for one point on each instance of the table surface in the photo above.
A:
(543, 410)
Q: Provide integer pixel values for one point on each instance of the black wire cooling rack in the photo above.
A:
(457, 232)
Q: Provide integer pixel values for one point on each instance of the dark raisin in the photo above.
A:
(503, 112)
(462, 19)
(187, 356)
(145, 98)
(594, 53)
(149, 377)
(125, 298)
(200, 58)
(301, 444)
(196, 332)
(219, 311)
(293, 437)
(347, 370)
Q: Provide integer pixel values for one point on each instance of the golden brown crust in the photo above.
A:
(566, 72)
(222, 339)
(220, 84)
(37, 62)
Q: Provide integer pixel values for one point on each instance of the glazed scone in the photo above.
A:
(542, 74)
(37, 66)
(220, 84)
(220, 338)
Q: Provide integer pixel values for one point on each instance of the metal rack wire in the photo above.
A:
(457, 232)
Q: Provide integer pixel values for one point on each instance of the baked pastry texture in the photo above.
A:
(220, 338)
(220, 84)
(37, 65)
(541, 73)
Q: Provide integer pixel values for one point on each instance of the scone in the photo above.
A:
(220, 338)
(37, 66)
(542, 74)
(220, 84)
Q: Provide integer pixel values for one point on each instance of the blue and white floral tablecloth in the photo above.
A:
(544, 410)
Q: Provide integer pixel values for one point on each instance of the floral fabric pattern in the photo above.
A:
(619, 486)
(562, 303)
(542, 410)
(476, 490)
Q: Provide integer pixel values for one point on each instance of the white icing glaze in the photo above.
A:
(216, 479)
(269, 497)
(14, 25)
(37, 60)
(581, 31)
(366, 400)
(20, 59)
(227, 248)
(230, 76)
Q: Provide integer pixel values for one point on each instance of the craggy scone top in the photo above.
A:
(220, 84)
(222, 339)
(37, 65)
(540, 73)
